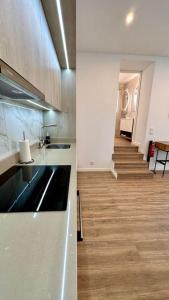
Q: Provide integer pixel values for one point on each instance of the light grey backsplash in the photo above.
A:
(64, 128)
(15, 120)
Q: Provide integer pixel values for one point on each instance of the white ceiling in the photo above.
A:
(101, 26)
(125, 77)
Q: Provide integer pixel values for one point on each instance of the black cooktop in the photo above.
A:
(34, 188)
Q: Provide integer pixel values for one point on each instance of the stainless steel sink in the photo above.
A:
(58, 146)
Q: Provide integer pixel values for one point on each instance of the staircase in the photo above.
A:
(129, 163)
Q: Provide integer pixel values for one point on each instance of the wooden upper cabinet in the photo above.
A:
(26, 45)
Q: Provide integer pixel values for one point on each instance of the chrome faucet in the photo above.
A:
(49, 125)
(42, 140)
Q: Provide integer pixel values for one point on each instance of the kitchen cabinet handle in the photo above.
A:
(80, 231)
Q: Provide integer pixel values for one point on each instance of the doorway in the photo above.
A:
(127, 106)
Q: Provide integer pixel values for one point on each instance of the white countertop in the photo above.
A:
(38, 251)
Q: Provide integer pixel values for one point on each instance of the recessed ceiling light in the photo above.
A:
(130, 17)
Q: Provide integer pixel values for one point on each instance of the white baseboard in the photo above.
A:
(114, 173)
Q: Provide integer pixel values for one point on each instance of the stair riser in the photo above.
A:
(125, 149)
(128, 157)
(130, 166)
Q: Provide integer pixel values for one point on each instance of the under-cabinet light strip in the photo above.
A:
(39, 105)
(62, 31)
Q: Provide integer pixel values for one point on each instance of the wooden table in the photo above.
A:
(162, 146)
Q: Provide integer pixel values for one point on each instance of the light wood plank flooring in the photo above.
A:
(125, 252)
(119, 141)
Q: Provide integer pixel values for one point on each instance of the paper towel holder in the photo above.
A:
(26, 163)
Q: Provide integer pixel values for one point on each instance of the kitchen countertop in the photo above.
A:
(38, 251)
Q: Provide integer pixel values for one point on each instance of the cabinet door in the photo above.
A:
(20, 45)
(52, 69)
(26, 45)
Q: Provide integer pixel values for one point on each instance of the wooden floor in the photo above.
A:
(125, 252)
(120, 141)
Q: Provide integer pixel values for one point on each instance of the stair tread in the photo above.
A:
(127, 153)
(126, 150)
(129, 161)
(134, 171)
(127, 156)
(136, 156)
(126, 145)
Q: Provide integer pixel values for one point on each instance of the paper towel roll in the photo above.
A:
(25, 154)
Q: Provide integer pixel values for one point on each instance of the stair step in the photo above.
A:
(125, 149)
(135, 173)
(129, 164)
(128, 156)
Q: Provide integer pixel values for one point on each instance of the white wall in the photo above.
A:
(96, 97)
(154, 107)
(158, 118)
(159, 105)
(143, 109)
(97, 85)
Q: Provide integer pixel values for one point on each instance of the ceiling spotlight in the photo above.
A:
(130, 18)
